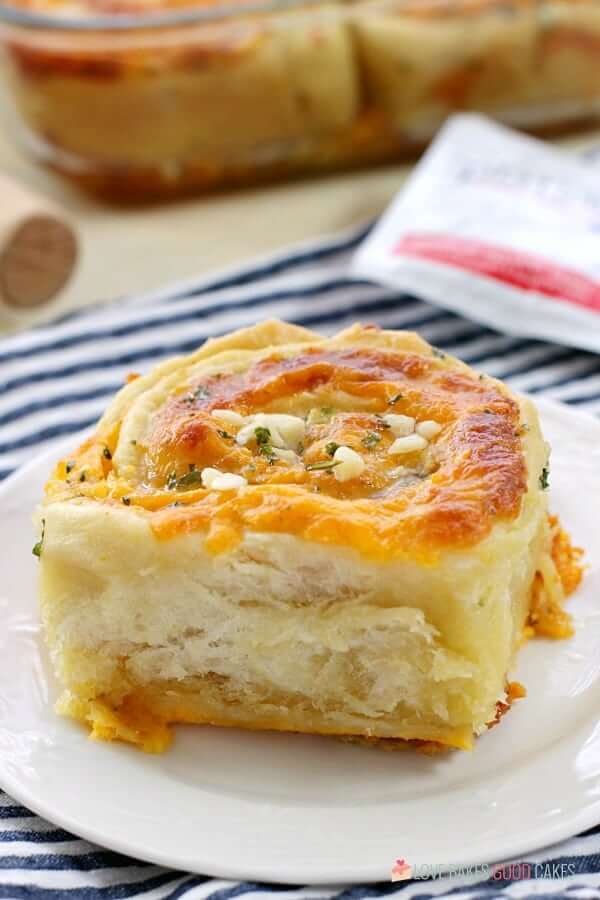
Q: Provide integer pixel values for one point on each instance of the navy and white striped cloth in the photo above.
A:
(57, 379)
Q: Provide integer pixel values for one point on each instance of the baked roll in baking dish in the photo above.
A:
(343, 536)
(246, 92)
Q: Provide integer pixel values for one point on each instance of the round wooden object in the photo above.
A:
(36, 260)
(38, 248)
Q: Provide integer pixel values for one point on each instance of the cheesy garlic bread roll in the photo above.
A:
(339, 536)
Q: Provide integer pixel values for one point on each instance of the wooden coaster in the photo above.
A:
(36, 261)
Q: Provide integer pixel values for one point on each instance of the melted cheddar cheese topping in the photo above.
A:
(446, 489)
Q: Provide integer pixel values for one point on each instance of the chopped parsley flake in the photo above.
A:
(439, 353)
(69, 466)
(263, 442)
(394, 399)
(193, 478)
(106, 453)
(224, 434)
(82, 476)
(37, 547)
(370, 439)
(331, 447)
(545, 478)
(324, 466)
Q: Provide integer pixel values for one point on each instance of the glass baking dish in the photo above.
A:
(143, 99)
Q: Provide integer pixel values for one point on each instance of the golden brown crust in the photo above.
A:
(143, 719)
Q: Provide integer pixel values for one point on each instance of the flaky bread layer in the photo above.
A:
(142, 715)
(281, 633)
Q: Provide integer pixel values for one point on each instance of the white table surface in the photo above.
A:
(128, 251)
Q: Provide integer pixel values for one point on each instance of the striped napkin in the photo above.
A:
(58, 378)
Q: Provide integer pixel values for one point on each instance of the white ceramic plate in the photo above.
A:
(299, 809)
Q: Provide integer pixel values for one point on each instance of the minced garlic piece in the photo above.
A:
(286, 431)
(246, 434)
(260, 420)
(400, 425)
(349, 464)
(408, 444)
(215, 480)
(229, 416)
(428, 429)
(291, 428)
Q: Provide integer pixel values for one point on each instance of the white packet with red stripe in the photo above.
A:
(498, 227)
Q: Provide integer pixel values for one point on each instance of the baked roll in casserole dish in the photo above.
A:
(344, 536)
(137, 99)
